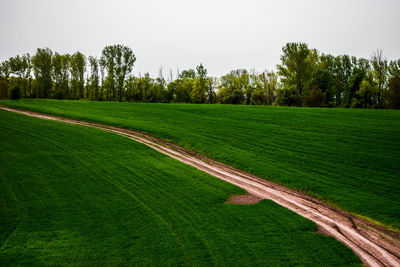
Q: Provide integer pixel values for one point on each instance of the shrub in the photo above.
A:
(15, 93)
(59, 95)
(287, 97)
(315, 97)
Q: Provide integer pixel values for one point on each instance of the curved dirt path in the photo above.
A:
(375, 245)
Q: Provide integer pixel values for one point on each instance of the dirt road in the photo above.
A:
(375, 245)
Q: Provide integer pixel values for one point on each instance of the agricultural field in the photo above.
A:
(75, 195)
(349, 158)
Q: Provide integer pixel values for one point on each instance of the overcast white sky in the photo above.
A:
(221, 34)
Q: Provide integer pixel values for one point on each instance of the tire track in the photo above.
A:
(375, 245)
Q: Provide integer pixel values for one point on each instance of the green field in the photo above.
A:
(347, 157)
(76, 195)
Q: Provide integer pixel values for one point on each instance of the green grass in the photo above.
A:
(75, 195)
(347, 157)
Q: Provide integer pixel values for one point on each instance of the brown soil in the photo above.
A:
(244, 199)
(375, 245)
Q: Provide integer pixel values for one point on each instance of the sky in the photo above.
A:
(223, 35)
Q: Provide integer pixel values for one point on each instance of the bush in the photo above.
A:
(59, 95)
(315, 97)
(287, 97)
(15, 93)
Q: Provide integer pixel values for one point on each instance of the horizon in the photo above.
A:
(177, 35)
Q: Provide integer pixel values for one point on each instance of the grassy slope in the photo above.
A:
(348, 157)
(75, 195)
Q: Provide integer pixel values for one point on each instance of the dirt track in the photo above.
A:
(375, 245)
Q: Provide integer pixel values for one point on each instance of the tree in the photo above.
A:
(124, 64)
(5, 70)
(323, 81)
(353, 86)
(61, 74)
(21, 67)
(248, 83)
(159, 88)
(3, 89)
(231, 88)
(265, 85)
(183, 89)
(27, 73)
(41, 62)
(394, 68)
(366, 96)
(190, 73)
(298, 64)
(380, 67)
(212, 84)
(77, 69)
(393, 93)
(341, 72)
(15, 64)
(94, 77)
(118, 60)
(200, 85)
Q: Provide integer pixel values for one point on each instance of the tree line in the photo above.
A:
(304, 77)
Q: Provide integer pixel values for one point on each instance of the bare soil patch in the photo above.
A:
(244, 199)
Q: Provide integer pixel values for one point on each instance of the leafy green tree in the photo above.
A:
(354, 85)
(27, 73)
(159, 87)
(61, 74)
(77, 69)
(141, 89)
(342, 69)
(118, 60)
(190, 74)
(394, 68)
(297, 67)
(94, 77)
(249, 83)
(212, 84)
(16, 69)
(42, 68)
(171, 90)
(123, 66)
(200, 85)
(231, 87)
(15, 64)
(380, 68)
(367, 95)
(183, 89)
(107, 61)
(5, 70)
(322, 81)
(393, 93)
(265, 86)
(3, 89)
(21, 67)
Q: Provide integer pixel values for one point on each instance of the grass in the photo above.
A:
(72, 195)
(349, 158)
